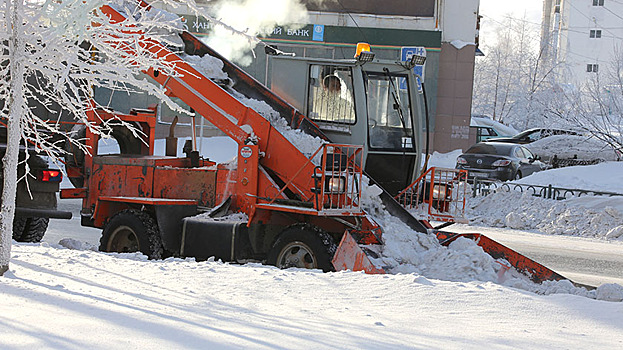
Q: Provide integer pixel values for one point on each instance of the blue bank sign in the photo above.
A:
(318, 32)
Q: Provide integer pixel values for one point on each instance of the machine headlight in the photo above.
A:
(439, 192)
(336, 184)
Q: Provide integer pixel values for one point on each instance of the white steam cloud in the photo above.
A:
(253, 17)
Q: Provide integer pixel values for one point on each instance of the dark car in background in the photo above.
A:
(36, 193)
(532, 135)
(499, 161)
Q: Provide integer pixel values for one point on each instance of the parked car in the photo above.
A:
(499, 160)
(35, 201)
(532, 135)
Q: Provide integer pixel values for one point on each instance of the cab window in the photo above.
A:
(331, 95)
(390, 124)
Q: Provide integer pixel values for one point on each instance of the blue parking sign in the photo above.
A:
(406, 52)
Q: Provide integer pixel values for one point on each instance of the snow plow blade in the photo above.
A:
(350, 255)
(535, 271)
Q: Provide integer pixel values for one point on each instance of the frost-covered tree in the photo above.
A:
(512, 82)
(52, 55)
(597, 107)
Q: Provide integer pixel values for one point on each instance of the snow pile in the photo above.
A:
(235, 217)
(572, 146)
(305, 143)
(211, 67)
(610, 292)
(522, 211)
(443, 160)
(408, 251)
(606, 176)
(75, 244)
(586, 216)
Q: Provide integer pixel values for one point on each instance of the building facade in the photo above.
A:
(582, 37)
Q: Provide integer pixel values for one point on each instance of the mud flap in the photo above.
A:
(350, 256)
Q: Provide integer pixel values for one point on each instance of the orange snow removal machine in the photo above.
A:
(291, 209)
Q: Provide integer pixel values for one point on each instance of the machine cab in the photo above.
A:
(374, 104)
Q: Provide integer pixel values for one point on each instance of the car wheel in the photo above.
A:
(30, 230)
(518, 175)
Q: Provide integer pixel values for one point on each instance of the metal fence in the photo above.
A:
(556, 162)
(482, 187)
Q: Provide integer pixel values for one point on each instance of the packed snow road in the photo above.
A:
(583, 260)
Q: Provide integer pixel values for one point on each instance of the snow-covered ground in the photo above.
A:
(589, 216)
(57, 298)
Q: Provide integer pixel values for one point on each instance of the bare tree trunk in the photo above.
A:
(16, 104)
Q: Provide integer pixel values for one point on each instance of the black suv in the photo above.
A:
(36, 198)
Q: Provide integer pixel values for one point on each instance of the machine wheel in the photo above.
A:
(30, 230)
(132, 231)
(518, 175)
(303, 247)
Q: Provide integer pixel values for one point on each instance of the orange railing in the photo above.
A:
(438, 194)
(337, 181)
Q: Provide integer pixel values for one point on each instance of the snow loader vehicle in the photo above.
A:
(294, 206)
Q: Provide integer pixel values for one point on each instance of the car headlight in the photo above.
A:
(439, 192)
(336, 184)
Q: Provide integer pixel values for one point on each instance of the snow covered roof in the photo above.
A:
(484, 121)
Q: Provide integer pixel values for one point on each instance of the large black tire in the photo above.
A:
(303, 247)
(19, 223)
(30, 230)
(132, 231)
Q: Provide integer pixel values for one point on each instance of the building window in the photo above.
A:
(595, 33)
(598, 2)
(592, 68)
